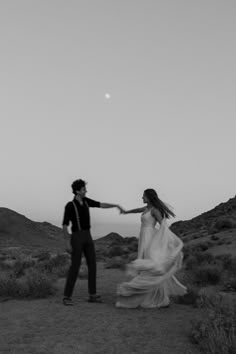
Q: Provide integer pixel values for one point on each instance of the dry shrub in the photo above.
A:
(223, 223)
(215, 333)
(116, 262)
(203, 246)
(17, 266)
(228, 262)
(198, 258)
(189, 251)
(7, 263)
(221, 242)
(207, 274)
(203, 269)
(190, 298)
(21, 265)
(32, 285)
(133, 247)
(131, 257)
(56, 265)
(115, 251)
(43, 256)
(214, 238)
(230, 284)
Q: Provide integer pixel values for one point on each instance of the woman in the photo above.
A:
(159, 257)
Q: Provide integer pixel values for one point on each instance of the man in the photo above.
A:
(80, 241)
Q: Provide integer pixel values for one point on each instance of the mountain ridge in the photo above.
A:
(18, 230)
(206, 222)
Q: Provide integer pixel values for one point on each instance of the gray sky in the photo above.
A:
(169, 124)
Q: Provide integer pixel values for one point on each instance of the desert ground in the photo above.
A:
(33, 267)
(46, 326)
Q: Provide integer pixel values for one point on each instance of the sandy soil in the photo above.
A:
(46, 326)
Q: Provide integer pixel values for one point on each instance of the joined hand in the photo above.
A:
(122, 211)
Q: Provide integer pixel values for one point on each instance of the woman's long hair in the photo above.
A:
(155, 201)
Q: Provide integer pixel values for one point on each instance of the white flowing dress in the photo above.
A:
(159, 257)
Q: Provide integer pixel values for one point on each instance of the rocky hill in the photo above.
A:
(222, 217)
(109, 239)
(17, 230)
(115, 245)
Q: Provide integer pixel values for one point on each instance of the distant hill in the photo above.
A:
(109, 239)
(221, 218)
(18, 230)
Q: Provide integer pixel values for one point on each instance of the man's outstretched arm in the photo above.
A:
(95, 204)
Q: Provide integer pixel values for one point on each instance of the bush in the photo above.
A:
(40, 285)
(221, 242)
(31, 285)
(230, 284)
(116, 262)
(17, 266)
(56, 265)
(133, 247)
(215, 333)
(226, 260)
(8, 263)
(205, 257)
(3, 257)
(233, 265)
(60, 260)
(42, 256)
(215, 238)
(190, 298)
(20, 266)
(8, 285)
(115, 251)
(187, 252)
(191, 262)
(207, 274)
(223, 224)
(203, 246)
(131, 257)
(198, 258)
(197, 249)
(205, 269)
(101, 255)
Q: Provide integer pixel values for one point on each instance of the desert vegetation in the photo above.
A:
(211, 281)
(215, 333)
(24, 276)
(209, 272)
(32, 276)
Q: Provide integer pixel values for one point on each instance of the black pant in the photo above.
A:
(81, 242)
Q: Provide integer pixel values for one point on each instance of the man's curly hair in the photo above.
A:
(77, 185)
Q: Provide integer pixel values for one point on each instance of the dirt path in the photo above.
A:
(46, 326)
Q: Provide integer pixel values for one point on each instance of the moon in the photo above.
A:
(107, 96)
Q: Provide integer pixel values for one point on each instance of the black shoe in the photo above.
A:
(67, 301)
(95, 298)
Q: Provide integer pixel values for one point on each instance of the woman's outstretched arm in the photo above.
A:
(133, 211)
